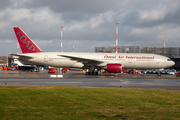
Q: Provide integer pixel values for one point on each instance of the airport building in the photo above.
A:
(3, 60)
(171, 52)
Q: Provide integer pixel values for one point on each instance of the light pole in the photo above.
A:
(164, 41)
(61, 36)
(117, 36)
(164, 45)
(73, 46)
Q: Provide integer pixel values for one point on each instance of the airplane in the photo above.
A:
(111, 62)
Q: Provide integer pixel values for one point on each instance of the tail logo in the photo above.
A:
(23, 38)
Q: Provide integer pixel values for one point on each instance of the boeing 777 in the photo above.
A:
(112, 62)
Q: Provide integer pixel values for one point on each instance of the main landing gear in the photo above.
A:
(91, 73)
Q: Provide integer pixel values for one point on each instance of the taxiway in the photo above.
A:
(79, 79)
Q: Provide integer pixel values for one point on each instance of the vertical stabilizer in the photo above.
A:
(26, 44)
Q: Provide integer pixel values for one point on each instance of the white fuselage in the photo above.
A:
(128, 60)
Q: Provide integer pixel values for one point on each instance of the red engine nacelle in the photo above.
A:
(114, 67)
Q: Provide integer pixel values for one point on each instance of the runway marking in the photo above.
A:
(58, 82)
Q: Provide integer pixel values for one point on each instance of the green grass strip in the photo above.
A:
(68, 103)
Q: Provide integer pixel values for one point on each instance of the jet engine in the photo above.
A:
(114, 67)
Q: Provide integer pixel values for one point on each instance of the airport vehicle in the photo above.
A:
(178, 74)
(6, 68)
(20, 66)
(29, 68)
(111, 62)
(134, 72)
(15, 65)
(52, 70)
(13, 68)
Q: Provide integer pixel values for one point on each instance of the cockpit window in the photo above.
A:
(169, 60)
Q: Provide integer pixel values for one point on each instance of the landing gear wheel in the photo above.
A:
(91, 73)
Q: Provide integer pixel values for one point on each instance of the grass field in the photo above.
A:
(55, 103)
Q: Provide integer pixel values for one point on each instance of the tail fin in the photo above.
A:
(26, 44)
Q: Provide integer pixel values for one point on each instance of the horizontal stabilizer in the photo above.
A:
(22, 56)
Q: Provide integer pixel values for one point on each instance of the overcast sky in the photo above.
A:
(89, 23)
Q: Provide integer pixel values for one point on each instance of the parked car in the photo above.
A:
(145, 71)
(164, 71)
(65, 70)
(149, 71)
(52, 70)
(178, 74)
(172, 72)
(155, 71)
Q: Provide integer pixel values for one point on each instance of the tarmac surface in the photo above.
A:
(78, 78)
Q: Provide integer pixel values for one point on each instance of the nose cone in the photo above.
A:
(171, 63)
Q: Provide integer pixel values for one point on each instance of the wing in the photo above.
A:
(86, 61)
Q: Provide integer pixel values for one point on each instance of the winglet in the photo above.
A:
(26, 44)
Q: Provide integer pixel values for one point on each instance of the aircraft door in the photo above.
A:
(45, 58)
